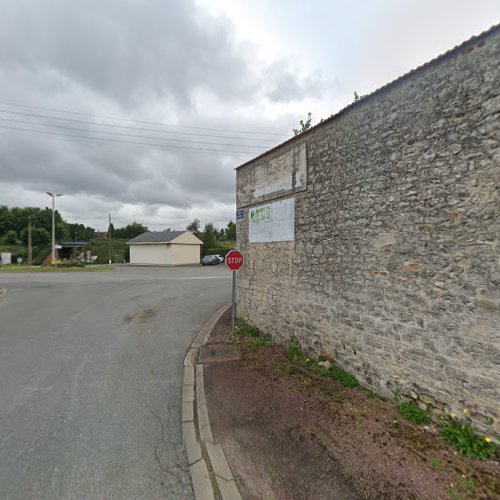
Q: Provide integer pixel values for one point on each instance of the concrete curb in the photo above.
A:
(201, 449)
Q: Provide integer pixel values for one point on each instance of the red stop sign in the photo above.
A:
(234, 260)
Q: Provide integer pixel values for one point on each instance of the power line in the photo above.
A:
(162, 146)
(142, 121)
(65, 127)
(34, 115)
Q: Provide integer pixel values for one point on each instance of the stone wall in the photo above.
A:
(395, 265)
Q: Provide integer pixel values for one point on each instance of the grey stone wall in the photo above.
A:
(395, 266)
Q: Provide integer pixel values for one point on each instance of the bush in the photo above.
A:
(69, 263)
(465, 439)
(344, 377)
(222, 251)
(411, 412)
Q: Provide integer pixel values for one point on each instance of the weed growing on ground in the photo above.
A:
(260, 341)
(468, 484)
(465, 439)
(371, 394)
(344, 377)
(410, 411)
(242, 328)
(293, 353)
(454, 494)
(311, 430)
(436, 463)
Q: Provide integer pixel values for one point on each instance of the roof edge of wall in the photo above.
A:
(376, 92)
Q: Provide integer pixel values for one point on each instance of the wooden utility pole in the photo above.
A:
(30, 247)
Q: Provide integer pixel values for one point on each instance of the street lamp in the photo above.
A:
(53, 196)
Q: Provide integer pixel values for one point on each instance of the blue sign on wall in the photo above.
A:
(240, 214)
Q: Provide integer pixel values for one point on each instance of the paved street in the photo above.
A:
(90, 378)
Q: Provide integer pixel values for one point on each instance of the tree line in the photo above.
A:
(14, 232)
(215, 241)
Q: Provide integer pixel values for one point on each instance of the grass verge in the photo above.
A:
(48, 269)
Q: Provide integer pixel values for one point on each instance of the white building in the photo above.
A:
(165, 248)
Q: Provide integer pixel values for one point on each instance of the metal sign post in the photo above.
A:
(234, 261)
(233, 302)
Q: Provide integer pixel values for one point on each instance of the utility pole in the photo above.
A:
(109, 238)
(30, 246)
(53, 196)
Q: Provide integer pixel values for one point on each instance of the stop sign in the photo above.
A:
(234, 260)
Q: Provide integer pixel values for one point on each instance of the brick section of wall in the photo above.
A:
(395, 268)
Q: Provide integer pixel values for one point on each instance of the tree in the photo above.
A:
(209, 239)
(194, 227)
(304, 125)
(130, 231)
(39, 236)
(10, 238)
(231, 231)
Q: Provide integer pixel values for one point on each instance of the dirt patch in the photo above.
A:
(211, 353)
(290, 433)
(141, 316)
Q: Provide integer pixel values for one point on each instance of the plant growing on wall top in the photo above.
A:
(304, 125)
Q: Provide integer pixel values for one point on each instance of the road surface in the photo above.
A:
(90, 380)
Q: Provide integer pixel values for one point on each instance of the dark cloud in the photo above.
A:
(286, 84)
(129, 51)
(167, 61)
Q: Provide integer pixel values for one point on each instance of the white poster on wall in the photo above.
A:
(272, 222)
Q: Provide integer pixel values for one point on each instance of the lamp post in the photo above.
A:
(53, 196)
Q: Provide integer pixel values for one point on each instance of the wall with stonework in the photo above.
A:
(395, 265)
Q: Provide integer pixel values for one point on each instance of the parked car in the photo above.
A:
(221, 258)
(210, 260)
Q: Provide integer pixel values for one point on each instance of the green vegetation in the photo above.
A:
(371, 394)
(465, 439)
(466, 488)
(436, 464)
(304, 125)
(295, 353)
(14, 268)
(128, 232)
(115, 249)
(454, 494)
(14, 235)
(215, 241)
(344, 377)
(249, 335)
(411, 412)
(242, 328)
(260, 341)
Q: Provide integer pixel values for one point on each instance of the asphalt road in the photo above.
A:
(90, 380)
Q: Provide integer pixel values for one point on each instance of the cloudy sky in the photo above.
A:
(143, 108)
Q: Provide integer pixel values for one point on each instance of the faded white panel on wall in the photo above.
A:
(272, 222)
(283, 174)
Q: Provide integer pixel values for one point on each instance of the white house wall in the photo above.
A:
(149, 254)
(184, 254)
(165, 254)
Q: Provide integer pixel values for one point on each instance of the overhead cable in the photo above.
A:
(143, 121)
(161, 146)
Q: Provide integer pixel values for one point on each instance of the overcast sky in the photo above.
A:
(143, 108)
